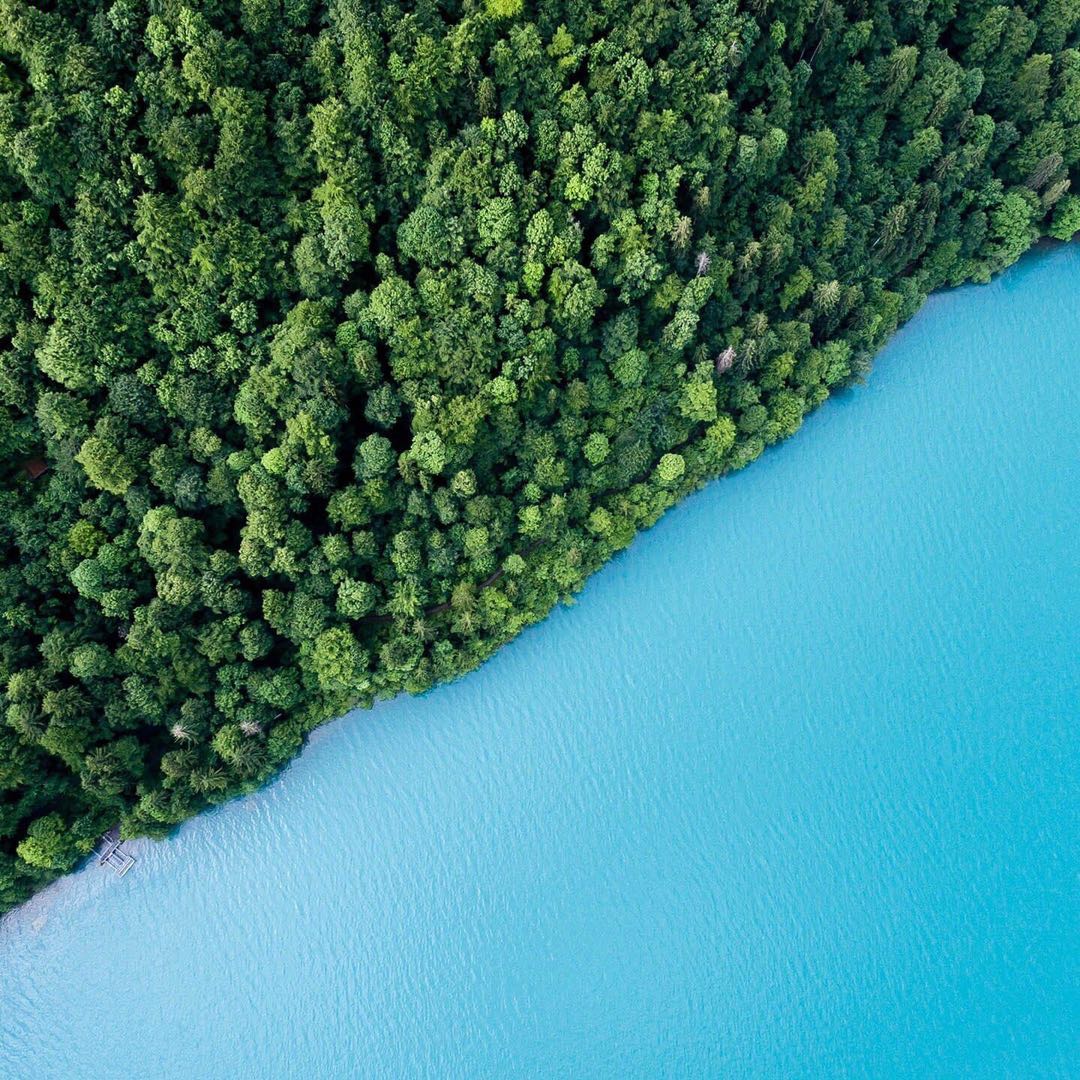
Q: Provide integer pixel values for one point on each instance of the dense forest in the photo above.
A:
(339, 341)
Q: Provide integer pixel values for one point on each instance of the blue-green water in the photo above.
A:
(791, 792)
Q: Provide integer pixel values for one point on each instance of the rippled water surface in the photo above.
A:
(790, 792)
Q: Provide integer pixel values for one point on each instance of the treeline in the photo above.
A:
(355, 335)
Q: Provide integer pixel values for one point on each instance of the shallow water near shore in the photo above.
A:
(790, 792)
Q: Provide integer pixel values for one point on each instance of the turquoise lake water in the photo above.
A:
(790, 792)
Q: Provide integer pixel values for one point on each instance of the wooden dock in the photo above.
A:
(110, 853)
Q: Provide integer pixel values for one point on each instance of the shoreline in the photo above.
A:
(1044, 244)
